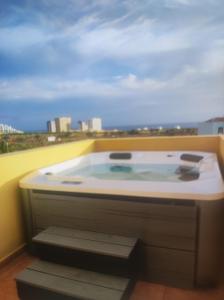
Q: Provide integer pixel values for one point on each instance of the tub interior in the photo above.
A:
(134, 171)
(136, 166)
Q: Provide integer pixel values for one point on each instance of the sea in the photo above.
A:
(153, 126)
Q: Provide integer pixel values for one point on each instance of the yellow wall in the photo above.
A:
(221, 152)
(195, 143)
(13, 167)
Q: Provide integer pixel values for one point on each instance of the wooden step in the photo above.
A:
(88, 241)
(86, 249)
(47, 281)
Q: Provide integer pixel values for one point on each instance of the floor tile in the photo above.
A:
(142, 290)
(179, 294)
(148, 291)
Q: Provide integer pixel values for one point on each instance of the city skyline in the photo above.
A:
(129, 62)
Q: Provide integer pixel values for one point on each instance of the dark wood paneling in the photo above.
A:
(169, 266)
(210, 242)
(165, 226)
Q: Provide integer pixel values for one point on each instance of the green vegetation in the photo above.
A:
(4, 146)
(18, 142)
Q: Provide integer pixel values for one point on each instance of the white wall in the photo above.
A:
(209, 128)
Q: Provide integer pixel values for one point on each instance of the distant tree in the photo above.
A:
(4, 144)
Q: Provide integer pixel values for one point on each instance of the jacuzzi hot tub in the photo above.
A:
(181, 175)
(171, 201)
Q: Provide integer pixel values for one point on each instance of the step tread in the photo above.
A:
(88, 241)
(73, 282)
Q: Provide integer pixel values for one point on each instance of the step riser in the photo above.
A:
(27, 292)
(88, 261)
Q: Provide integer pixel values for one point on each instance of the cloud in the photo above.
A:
(96, 32)
(162, 55)
(92, 37)
(45, 89)
(179, 2)
(18, 38)
(133, 40)
(133, 83)
(190, 82)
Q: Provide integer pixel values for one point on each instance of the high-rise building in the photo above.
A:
(83, 126)
(63, 124)
(51, 126)
(94, 124)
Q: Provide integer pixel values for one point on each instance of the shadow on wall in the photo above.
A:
(13, 167)
(11, 221)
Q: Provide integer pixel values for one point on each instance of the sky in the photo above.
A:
(126, 61)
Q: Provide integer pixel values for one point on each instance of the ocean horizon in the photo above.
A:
(135, 126)
(154, 126)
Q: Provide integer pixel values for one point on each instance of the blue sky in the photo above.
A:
(127, 61)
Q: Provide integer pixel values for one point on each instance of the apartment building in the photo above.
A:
(60, 124)
(51, 126)
(94, 124)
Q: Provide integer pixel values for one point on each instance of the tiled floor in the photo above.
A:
(143, 290)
